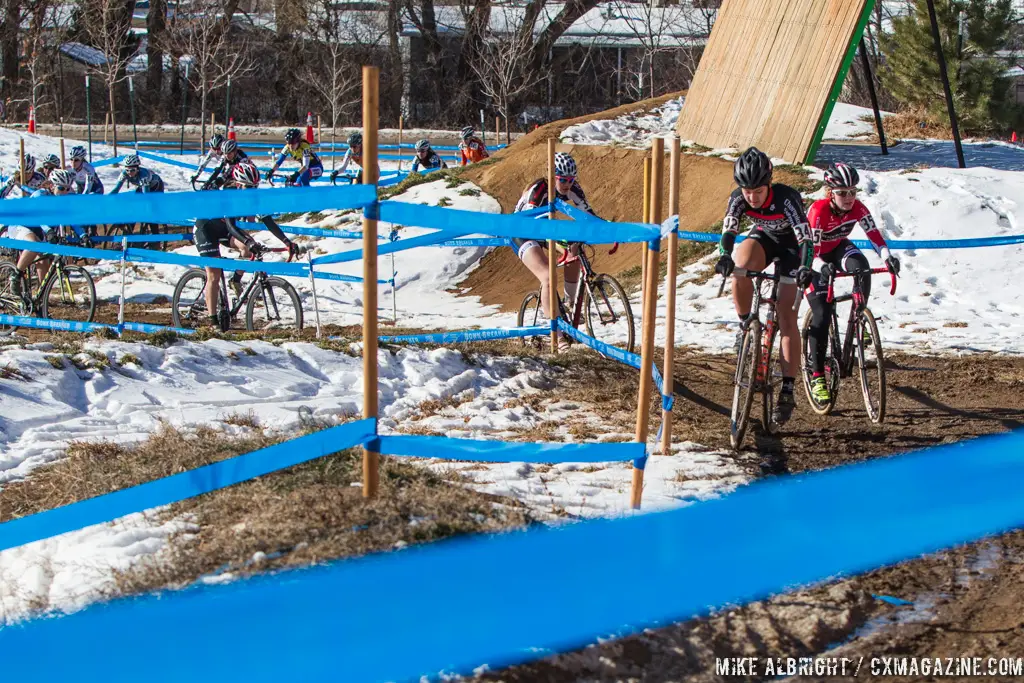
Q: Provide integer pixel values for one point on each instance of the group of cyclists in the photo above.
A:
(782, 233)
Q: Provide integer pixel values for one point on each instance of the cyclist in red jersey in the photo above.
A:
(832, 220)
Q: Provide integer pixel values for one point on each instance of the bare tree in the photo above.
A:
(337, 82)
(503, 67)
(48, 24)
(201, 35)
(657, 30)
(107, 24)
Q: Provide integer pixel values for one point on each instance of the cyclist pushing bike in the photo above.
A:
(210, 234)
(831, 220)
(532, 252)
(780, 232)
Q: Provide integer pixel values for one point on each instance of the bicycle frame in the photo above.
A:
(586, 277)
(771, 300)
(844, 353)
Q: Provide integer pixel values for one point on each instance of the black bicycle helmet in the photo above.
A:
(753, 169)
(355, 139)
(293, 135)
(841, 175)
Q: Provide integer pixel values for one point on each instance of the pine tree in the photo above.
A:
(981, 94)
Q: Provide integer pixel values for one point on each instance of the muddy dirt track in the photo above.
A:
(967, 602)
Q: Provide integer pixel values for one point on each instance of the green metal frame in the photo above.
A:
(837, 84)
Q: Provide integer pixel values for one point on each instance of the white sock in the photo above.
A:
(570, 291)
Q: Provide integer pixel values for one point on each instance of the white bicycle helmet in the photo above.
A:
(565, 165)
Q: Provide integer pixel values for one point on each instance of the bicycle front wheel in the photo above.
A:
(188, 304)
(530, 314)
(609, 316)
(831, 368)
(274, 305)
(872, 366)
(70, 295)
(11, 303)
(745, 382)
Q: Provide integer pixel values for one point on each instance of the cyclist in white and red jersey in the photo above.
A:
(832, 220)
(532, 252)
(780, 232)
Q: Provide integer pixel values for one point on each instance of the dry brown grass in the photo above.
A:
(955, 323)
(10, 372)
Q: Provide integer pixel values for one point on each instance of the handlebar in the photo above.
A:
(873, 271)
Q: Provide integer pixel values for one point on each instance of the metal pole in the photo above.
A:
(394, 291)
(88, 115)
(227, 106)
(120, 303)
(184, 110)
(874, 96)
(945, 84)
(131, 99)
(312, 285)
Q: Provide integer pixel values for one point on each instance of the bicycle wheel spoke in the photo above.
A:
(871, 365)
(274, 305)
(70, 295)
(609, 316)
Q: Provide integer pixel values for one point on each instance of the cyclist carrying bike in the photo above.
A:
(33, 179)
(86, 180)
(210, 234)
(426, 158)
(301, 151)
(142, 179)
(353, 155)
(472, 148)
(831, 221)
(61, 183)
(532, 252)
(780, 231)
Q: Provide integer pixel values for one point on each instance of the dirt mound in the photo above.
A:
(613, 179)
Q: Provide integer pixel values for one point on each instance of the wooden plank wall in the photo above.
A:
(766, 74)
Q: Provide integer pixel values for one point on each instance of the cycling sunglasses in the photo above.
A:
(852, 192)
(565, 178)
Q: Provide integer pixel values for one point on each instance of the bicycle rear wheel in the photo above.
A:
(831, 367)
(273, 305)
(745, 382)
(609, 316)
(530, 314)
(871, 363)
(70, 295)
(188, 304)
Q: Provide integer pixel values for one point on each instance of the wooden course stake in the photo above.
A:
(670, 294)
(650, 300)
(552, 262)
(371, 459)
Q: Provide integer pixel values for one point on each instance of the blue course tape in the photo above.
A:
(153, 329)
(180, 237)
(185, 485)
(162, 207)
(302, 230)
(513, 225)
(468, 335)
(480, 242)
(391, 247)
(310, 625)
(61, 249)
(499, 451)
(967, 243)
(153, 256)
(107, 162)
(47, 324)
(165, 160)
(575, 213)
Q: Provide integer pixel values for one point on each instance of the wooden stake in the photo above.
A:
(552, 262)
(371, 459)
(213, 123)
(670, 294)
(106, 129)
(647, 340)
(497, 131)
(319, 131)
(62, 164)
(401, 123)
(646, 219)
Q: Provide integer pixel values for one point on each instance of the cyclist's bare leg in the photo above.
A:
(212, 289)
(571, 278)
(27, 257)
(748, 255)
(789, 329)
(536, 259)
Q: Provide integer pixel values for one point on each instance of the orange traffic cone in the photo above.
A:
(31, 119)
(1013, 138)
(231, 129)
(309, 127)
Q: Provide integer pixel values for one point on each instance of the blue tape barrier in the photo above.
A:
(153, 256)
(135, 239)
(303, 230)
(621, 355)
(391, 247)
(78, 326)
(477, 242)
(161, 207)
(165, 160)
(99, 163)
(188, 484)
(468, 335)
(513, 225)
(499, 451)
(61, 249)
(310, 625)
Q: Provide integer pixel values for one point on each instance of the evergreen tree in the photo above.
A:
(981, 94)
